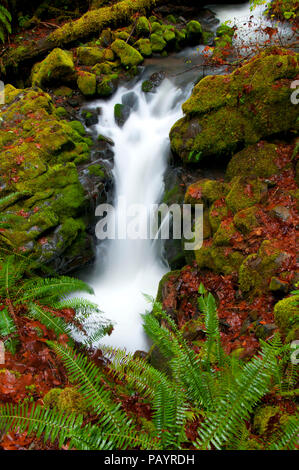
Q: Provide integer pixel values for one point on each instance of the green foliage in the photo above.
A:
(5, 23)
(219, 391)
(41, 296)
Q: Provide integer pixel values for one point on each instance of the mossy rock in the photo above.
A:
(245, 193)
(57, 67)
(255, 160)
(87, 83)
(142, 26)
(253, 102)
(107, 85)
(90, 55)
(216, 213)
(262, 418)
(129, 56)
(193, 31)
(144, 46)
(224, 234)
(286, 314)
(245, 220)
(218, 259)
(67, 400)
(158, 43)
(64, 91)
(205, 191)
(257, 269)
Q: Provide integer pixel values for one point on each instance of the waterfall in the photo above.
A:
(125, 269)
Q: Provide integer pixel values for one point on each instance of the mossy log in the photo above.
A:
(92, 23)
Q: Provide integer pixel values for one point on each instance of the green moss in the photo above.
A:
(169, 36)
(251, 101)
(216, 213)
(127, 54)
(61, 112)
(96, 170)
(257, 269)
(218, 260)
(194, 31)
(171, 276)
(147, 86)
(57, 67)
(67, 400)
(244, 193)
(157, 41)
(224, 234)
(144, 47)
(107, 85)
(90, 55)
(63, 91)
(262, 418)
(87, 83)
(205, 191)
(255, 160)
(286, 314)
(142, 26)
(245, 220)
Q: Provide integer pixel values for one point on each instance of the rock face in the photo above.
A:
(226, 112)
(38, 161)
(127, 54)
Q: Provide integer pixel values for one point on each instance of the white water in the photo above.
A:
(127, 268)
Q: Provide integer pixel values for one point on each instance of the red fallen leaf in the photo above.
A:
(43, 241)
(20, 159)
(22, 213)
(29, 139)
(15, 179)
(63, 339)
(36, 209)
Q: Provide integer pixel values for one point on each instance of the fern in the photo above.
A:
(5, 22)
(288, 437)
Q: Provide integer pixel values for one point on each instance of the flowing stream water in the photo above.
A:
(125, 269)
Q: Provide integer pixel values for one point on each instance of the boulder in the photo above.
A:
(128, 55)
(57, 68)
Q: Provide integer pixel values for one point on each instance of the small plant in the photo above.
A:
(5, 23)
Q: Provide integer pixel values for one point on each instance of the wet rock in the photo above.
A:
(121, 114)
(281, 212)
(130, 100)
(90, 116)
(153, 82)
(277, 285)
(264, 331)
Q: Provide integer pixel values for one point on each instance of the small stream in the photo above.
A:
(125, 269)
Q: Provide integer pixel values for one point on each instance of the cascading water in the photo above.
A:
(125, 269)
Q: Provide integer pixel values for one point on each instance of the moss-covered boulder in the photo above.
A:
(257, 269)
(256, 160)
(57, 67)
(87, 83)
(286, 315)
(90, 55)
(38, 156)
(245, 193)
(144, 46)
(158, 42)
(128, 55)
(67, 400)
(142, 26)
(194, 31)
(253, 102)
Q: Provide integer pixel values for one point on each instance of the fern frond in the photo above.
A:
(56, 324)
(7, 326)
(288, 438)
(51, 288)
(249, 387)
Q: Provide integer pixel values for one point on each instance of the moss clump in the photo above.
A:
(171, 276)
(286, 314)
(147, 86)
(58, 67)
(244, 193)
(205, 191)
(218, 260)
(255, 160)
(67, 400)
(107, 85)
(216, 213)
(194, 31)
(158, 43)
(142, 26)
(97, 170)
(144, 47)
(245, 220)
(224, 234)
(63, 91)
(257, 269)
(251, 101)
(262, 418)
(90, 55)
(127, 54)
(87, 83)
